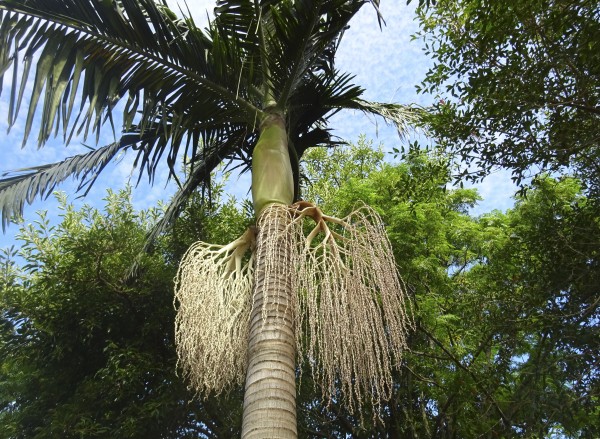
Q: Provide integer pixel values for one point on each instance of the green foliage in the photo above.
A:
(87, 352)
(506, 304)
(517, 85)
(540, 288)
(326, 170)
(506, 307)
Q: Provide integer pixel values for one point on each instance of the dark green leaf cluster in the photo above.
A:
(86, 351)
(506, 304)
(517, 85)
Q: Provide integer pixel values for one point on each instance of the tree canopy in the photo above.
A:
(517, 85)
(89, 352)
(506, 308)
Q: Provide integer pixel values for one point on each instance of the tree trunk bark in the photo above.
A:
(270, 396)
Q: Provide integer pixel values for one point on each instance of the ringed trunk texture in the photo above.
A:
(270, 396)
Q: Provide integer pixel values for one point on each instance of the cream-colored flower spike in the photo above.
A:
(213, 296)
(348, 305)
(351, 318)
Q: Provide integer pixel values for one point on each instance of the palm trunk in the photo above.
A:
(270, 396)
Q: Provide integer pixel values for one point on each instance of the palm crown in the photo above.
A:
(200, 94)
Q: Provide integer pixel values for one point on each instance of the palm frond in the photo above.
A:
(104, 53)
(187, 92)
(316, 100)
(292, 36)
(304, 39)
(87, 56)
(24, 185)
(198, 176)
(403, 117)
(239, 20)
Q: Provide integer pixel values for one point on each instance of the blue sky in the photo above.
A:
(386, 63)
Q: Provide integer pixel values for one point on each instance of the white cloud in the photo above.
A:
(386, 63)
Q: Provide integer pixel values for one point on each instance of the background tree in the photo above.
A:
(506, 306)
(87, 352)
(516, 85)
(542, 274)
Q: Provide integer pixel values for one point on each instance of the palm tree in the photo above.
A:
(257, 86)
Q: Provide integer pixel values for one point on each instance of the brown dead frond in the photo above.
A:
(213, 291)
(351, 320)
